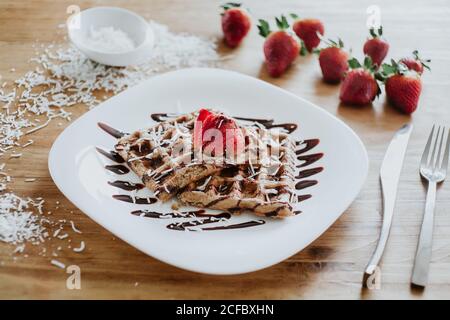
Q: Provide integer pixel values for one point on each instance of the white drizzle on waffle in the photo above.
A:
(264, 183)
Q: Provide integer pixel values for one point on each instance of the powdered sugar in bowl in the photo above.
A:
(111, 36)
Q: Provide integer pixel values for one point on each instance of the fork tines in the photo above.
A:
(436, 161)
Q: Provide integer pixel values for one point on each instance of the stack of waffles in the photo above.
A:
(263, 181)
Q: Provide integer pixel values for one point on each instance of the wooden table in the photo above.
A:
(329, 268)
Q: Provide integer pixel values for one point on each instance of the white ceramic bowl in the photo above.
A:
(131, 23)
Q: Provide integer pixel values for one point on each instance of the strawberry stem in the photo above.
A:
(230, 5)
(282, 23)
(376, 33)
(423, 62)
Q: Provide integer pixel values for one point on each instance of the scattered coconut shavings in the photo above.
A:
(74, 228)
(65, 77)
(58, 264)
(80, 248)
(17, 223)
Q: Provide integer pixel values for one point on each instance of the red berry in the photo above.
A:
(208, 125)
(280, 50)
(376, 49)
(333, 62)
(307, 30)
(416, 64)
(403, 92)
(235, 25)
(412, 64)
(359, 87)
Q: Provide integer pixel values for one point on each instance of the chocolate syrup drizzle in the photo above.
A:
(308, 159)
(185, 225)
(111, 155)
(186, 214)
(126, 185)
(117, 168)
(113, 132)
(247, 224)
(136, 200)
(201, 216)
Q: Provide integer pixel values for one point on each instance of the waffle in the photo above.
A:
(265, 187)
(162, 156)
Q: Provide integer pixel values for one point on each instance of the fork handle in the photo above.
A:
(423, 254)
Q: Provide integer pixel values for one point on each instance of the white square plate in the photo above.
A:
(78, 170)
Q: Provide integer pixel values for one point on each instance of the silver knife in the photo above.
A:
(389, 176)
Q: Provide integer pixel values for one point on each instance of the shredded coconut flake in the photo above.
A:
(108, 39)
(80, 248)
(58, 264)
(17, 223)
(65, 77)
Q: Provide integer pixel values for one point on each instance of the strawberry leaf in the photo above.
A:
(293, 15)
(372, 32)
(388, 69)
(264, 28)
(368, 64)
(422, 61)
(353, 63)
(282, 23)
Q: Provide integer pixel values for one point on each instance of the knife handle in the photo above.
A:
(389, 191)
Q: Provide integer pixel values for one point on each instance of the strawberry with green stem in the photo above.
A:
(333, 61)
(376, 47)
(416, 63)
(359, 86)
(236, 23)
(403, 86)
(280, 47)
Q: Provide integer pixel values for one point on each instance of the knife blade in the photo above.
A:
(391, 168)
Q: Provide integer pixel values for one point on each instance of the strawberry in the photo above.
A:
(403, 86)
(359, 86)
(236, 23)
(376, 47)
(333, 61)
(309, 30)
(403, 92)
(416, 63)
(208, 126)
(280, 48)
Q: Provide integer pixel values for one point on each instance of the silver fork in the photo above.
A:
(434, 170)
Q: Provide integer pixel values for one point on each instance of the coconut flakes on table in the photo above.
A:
(18, 223)
(65, 77)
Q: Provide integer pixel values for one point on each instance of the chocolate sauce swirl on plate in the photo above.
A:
(110, 130)
(111, 155)
(117, 168)
(136, 200)
(126, 185)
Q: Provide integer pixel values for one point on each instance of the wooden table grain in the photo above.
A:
(332, 266)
